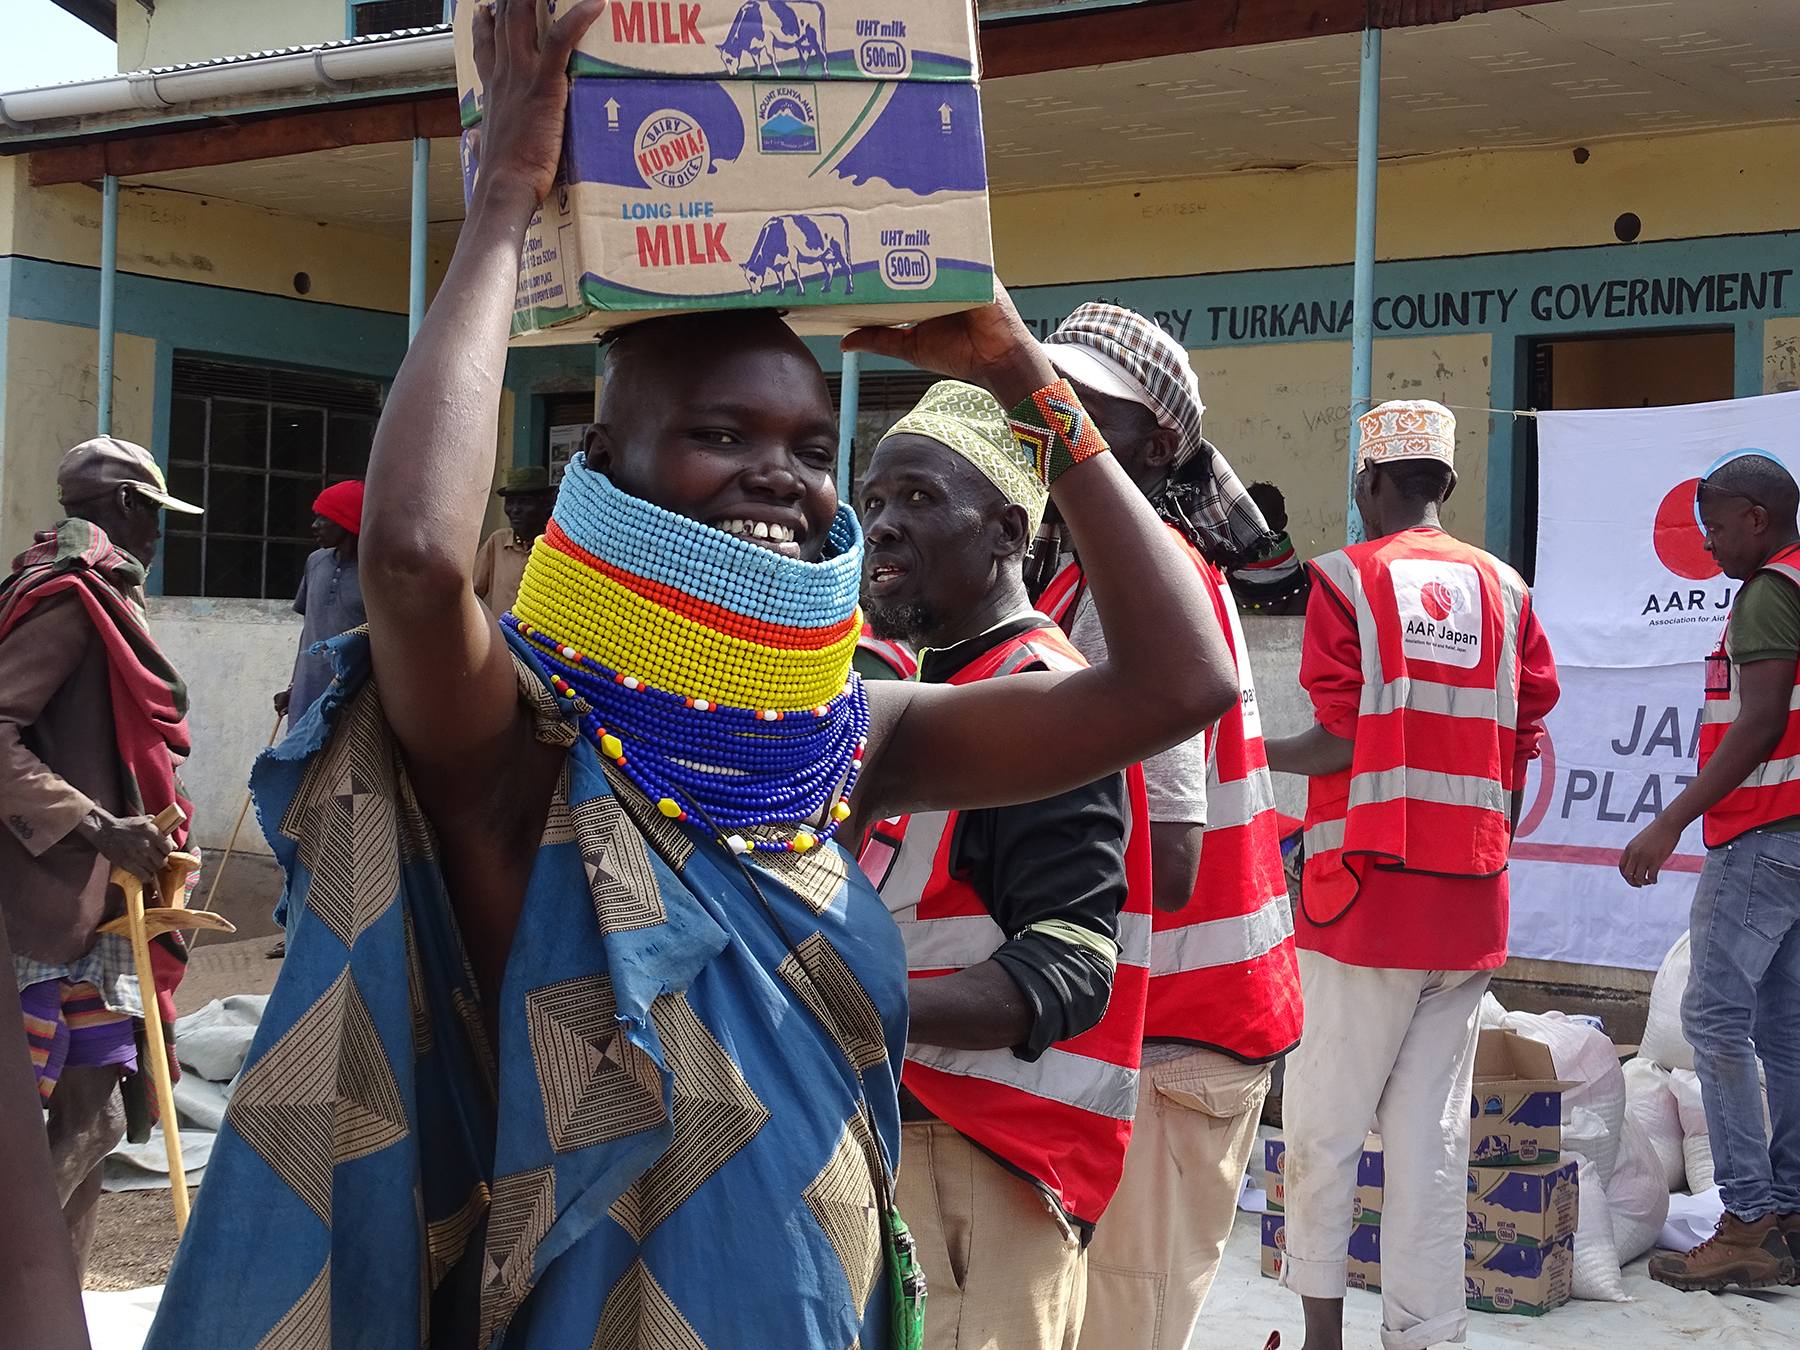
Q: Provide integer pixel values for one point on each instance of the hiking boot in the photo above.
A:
(1789, 1227)
(1739, 1255)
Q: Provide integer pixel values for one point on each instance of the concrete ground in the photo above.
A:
(134, 1241)
(1245, 1307)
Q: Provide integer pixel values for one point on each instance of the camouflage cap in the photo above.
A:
(99, 467)
(971, 422)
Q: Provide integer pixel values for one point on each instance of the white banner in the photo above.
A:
(1618, 746)
(1622, 577)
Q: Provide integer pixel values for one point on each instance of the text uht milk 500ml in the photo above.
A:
(842, 202)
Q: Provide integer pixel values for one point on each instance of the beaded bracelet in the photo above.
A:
(1055, 430)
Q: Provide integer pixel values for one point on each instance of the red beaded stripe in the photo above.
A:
(716, 617)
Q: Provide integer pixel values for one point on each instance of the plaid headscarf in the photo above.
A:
(971, 422)
(1203, 497)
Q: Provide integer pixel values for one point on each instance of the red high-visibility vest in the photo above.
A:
(1772, 791)
(896, 655)
(1222, 968)
(1064, 1119)
(1431, 775)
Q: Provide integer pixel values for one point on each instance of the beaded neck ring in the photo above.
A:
(714, 673)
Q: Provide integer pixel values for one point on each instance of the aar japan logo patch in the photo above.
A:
(1440, 611)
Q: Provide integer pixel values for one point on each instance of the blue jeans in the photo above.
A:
(1743, 1000)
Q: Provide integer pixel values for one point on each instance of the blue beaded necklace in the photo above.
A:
(736, 769)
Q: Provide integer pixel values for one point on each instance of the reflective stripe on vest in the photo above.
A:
(893, 654)
(1438, 625)
(1772, 790)
(1222, 968)
(1064, 1118)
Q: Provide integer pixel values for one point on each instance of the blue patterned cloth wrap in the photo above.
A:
(352, 1172)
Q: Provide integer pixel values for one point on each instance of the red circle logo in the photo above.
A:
(1439, 600)
(1679, 544)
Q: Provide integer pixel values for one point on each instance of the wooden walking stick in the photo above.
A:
(141, 925)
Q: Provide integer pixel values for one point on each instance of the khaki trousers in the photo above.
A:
(1003, 1270)
(1158, 1246)
(1397, 1045)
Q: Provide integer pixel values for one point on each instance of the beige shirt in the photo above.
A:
(499, 568)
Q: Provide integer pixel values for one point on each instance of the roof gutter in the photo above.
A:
(326, 67)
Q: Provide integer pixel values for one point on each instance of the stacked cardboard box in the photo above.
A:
(1523, 1199)
(1365, 1233)
(821, 156)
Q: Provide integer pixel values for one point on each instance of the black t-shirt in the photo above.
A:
(1062, 858)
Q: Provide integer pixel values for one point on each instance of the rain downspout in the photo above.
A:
(109, 284)
(1362, 328)
(847, 400)
(415, 309)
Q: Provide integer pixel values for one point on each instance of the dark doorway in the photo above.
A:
(1651, 370)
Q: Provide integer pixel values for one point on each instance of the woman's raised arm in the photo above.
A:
(1168, 672)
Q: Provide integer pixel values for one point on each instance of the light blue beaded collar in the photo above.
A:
(639, 537)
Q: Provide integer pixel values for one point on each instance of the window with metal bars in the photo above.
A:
(254, 445)
(370, 18)
(883, 398)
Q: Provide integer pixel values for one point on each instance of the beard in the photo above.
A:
(906, 622)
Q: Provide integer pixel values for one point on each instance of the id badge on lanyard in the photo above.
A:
(1718, 674)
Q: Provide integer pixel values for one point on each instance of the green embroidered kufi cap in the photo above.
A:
(971, 422)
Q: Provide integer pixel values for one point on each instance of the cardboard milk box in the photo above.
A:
(1530, 1206)
(1369, 1176)
(843, 203)
(754, 39)
(1364, 1271)
(1506, 1277)
(1515, 1114)
(1274, 1243)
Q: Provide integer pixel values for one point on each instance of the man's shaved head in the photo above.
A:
(1763, 480)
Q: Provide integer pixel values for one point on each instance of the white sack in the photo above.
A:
(1689, 1104)
(1650, 1100)
(1586, 1056)
(1692, 1220)
(1597, 1275)
(1637, 1195)
(1696, 1149)
(1492, 1014)
(214, 1041)
(1664, 1041)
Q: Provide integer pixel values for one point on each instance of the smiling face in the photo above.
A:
(936, 534)
(724, 419)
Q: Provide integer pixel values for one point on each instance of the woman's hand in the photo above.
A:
(525, 83)
(988, 345)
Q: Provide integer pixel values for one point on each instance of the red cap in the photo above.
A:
(342, 503)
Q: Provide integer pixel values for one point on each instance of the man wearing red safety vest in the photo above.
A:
(1743, 992)
(1430, 678)
(1027, 928)
(1224, 997)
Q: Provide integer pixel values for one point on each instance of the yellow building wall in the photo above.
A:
(198, 30)
(1283, 410)
(1781, 355)
(1729, 182)
(52, 398)
(211, 241)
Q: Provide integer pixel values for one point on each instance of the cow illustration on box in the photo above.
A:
(764, 29)
(788, 243)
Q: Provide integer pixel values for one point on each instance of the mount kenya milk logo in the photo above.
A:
(1440, 611)
(787, 120)
(671, 149)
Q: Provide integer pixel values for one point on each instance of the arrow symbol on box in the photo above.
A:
(944, 112)
(612, 114)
